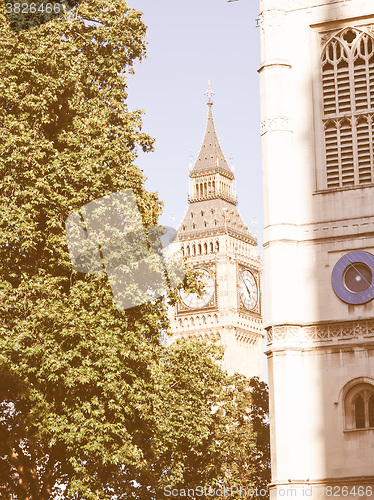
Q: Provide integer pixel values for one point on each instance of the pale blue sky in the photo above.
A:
(190, 43)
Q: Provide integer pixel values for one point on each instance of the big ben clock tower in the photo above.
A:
(214, 239)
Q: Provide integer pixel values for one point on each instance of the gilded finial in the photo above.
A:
(209, 93)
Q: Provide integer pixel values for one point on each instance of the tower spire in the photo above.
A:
(211, 156)
(212, 198)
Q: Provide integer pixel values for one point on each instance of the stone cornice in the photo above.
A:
(187, 236)
(321, 333)
(329, 230)
(309, 4)
(245, 336)
(231, 199)
(202, 172)
(274, 63)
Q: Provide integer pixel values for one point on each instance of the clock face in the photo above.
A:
(352, 277)
(248, 289)
(195, 301)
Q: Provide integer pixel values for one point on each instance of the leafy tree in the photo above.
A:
(215, 429)
(92, 404)
(77, 377)
(259, 417)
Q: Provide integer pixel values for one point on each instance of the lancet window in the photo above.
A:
(359, 407)
(348, 108)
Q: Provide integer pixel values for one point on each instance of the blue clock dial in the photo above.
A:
(352, 277)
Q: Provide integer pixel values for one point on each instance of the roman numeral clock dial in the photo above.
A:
(248, 289)
(195, 301)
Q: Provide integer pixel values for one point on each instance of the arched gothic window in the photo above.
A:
(359, 412)
(348, 108)
(359, 405)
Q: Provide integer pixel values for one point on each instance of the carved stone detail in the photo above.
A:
(276, 123)
(270, 336)
(325, 37)
(271, 19)
(247, 337)
(202, 336)
(196, 321)
(322, 332)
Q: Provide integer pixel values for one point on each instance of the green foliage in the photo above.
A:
(216, 429)
(260, 424)
(67, 137)
(77, 372)
(90, 397)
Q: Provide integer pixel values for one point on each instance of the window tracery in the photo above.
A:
(348, 108)
(359, 405)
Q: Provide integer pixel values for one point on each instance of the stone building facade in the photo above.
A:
(317, 105)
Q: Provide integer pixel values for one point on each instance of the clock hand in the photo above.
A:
(249, 292)
(357, 271)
